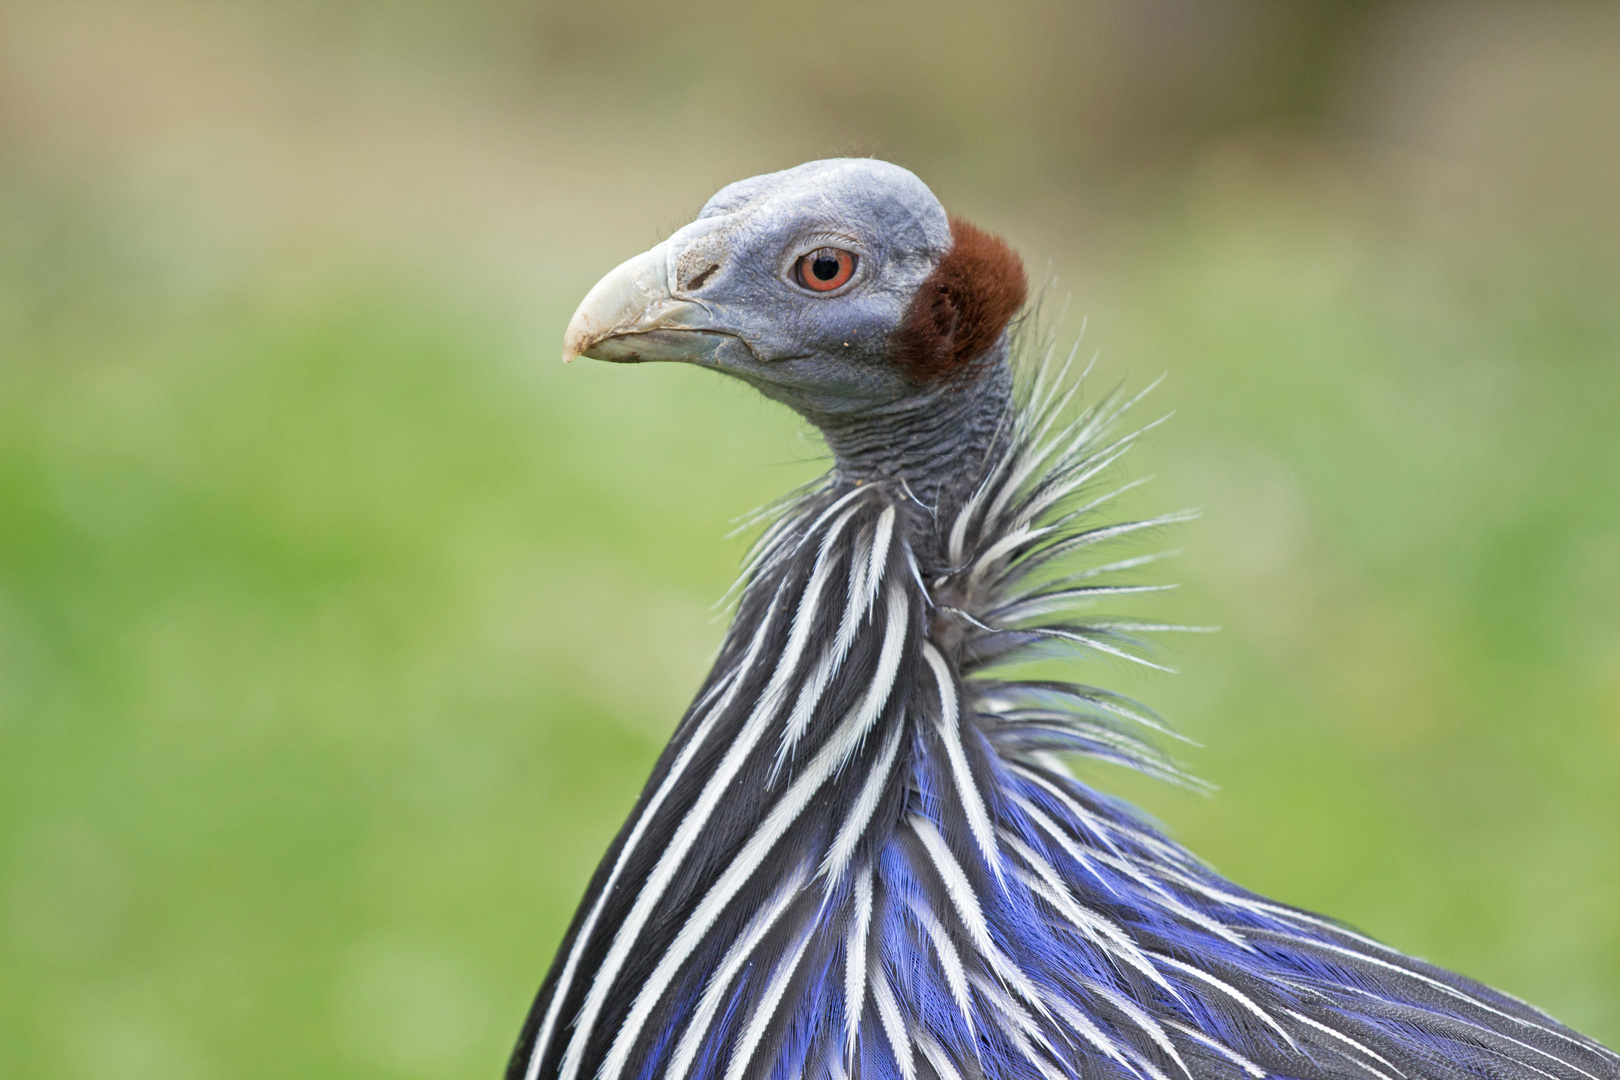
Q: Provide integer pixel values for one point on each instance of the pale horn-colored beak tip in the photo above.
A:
(574, 342)
(629, 299)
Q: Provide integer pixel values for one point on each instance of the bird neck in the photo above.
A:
(935, 443)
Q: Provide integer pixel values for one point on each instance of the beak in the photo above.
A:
(630, 317)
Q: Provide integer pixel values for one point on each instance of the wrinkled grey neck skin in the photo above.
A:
(934, 445)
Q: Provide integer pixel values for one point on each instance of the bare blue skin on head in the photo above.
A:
(829, 348)
(721, 293)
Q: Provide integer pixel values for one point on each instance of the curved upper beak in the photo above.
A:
(631, 316)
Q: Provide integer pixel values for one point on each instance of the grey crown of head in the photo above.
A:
(722, 292)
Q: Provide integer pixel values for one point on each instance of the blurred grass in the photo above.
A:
(339, 624)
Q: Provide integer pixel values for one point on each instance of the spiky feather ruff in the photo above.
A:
(861, 856)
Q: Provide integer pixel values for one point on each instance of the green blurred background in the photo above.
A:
(340, 623)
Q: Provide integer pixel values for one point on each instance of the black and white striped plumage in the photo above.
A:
(861, 855)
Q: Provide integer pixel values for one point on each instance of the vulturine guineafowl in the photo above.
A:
(861, 855)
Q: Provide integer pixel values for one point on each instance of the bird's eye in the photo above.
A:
(824, 269)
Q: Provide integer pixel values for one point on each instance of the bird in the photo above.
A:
(864, 853)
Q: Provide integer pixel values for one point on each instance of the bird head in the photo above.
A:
(837, 287)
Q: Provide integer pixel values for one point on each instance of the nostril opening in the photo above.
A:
(697, 282)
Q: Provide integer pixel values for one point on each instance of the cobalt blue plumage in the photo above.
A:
(861, 854)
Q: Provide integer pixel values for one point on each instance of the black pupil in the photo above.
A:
(824, 266)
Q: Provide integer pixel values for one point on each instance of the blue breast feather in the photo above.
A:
(862, 856)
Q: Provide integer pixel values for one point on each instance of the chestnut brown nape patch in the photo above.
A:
(962, 307)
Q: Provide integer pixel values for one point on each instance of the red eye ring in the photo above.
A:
(825, 269)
